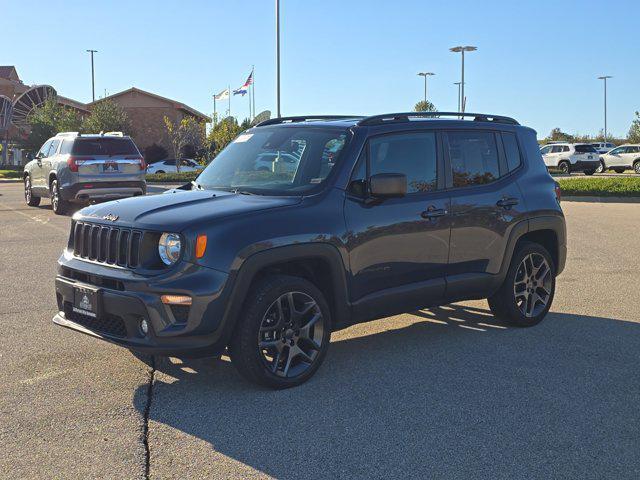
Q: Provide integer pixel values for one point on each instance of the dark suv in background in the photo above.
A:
(378, 216)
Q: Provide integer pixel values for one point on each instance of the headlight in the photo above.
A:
(169, 248)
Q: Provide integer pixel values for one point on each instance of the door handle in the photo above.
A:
(433, 212)
(507, 202)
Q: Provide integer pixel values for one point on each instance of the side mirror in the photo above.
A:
(29, 156)
(388, 185)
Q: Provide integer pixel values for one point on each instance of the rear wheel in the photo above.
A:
(527, 292)
(565, 167)
(636, 167)
(31, 200)
(601, 168)
(283, 334)
(160, 171)
(58, 205)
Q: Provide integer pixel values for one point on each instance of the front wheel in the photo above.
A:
(526, 294)
(636, 167)
(283, 334)
(601, 168)
(31, 200)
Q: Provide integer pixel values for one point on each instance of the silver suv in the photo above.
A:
(71, 167)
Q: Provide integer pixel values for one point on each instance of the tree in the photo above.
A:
(107, 116)
(48, 120)
(558, 135)
(634, 130)
(425, 106)
(223, 134)
(187, 133)
(154, 153)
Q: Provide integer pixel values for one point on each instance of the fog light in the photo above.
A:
(176, 299)
(144, 327)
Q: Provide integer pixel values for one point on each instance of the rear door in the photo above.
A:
(486, 202)
(108, 159)
(48, 163)
(37, 172)
(616, 157)
(398, 246)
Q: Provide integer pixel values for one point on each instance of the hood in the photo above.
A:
(176, 210)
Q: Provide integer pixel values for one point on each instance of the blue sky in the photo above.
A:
(537, 61)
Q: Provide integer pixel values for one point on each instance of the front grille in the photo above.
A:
(109, 324)
(105, 244)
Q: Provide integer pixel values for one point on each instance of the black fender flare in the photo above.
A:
(241, 280)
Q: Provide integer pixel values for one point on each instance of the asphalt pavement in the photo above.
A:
(442, 393)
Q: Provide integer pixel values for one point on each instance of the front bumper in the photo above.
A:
(87, 191)
(126, 299)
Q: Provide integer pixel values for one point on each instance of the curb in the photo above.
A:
(585, 199)
(10, 180)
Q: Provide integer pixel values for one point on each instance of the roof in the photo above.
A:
(176, 104)
(9, 72)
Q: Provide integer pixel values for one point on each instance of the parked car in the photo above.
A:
(571, 157)
(621, 158)
(603, 147)
(277, 162)
(82, 168)
(413, 212)
(169, 166)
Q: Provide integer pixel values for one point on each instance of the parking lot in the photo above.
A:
(443, 392)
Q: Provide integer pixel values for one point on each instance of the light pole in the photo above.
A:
(93, 82)
(278, 58)
(605, 77)
(458, 84)
(425, 75)
(461, 49)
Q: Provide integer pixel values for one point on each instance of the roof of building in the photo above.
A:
(176, 104)
(9, 72)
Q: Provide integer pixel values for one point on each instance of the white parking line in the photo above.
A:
(35, 219)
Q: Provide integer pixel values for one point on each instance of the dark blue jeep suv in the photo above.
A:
(306, 225)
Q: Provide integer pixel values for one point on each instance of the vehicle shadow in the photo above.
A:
(453, 394)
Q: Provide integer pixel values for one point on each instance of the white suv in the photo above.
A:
(571, 157)
(621, 158)
(603, 147)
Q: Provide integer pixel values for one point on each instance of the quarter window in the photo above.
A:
(66, 147)
(511, 150)
(413, 154)
(474, 158)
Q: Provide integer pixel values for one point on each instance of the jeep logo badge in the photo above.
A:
(111, 217)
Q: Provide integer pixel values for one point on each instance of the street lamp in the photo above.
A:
(93, 82)
(425, 75)
(461, 49)
(605, 77)
(278, 58)
(458, 84)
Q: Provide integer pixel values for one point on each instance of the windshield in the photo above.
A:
(275, 160)
(585, 149)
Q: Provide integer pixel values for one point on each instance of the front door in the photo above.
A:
(486, 202)
(398, 247)
(38, 171)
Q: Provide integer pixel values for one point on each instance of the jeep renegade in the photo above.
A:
(376, 216)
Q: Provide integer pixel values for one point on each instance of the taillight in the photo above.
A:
(143, 165)
(558, 192)
(74, 162)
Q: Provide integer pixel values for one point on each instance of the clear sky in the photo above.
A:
(536, 60)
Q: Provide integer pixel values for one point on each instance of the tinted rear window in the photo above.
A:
(104, 146)
(585, 149)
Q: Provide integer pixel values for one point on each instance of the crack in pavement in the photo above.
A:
(145, 419)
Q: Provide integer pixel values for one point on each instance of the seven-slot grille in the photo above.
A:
(111, 245)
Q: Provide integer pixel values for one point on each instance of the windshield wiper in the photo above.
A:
(242, 192)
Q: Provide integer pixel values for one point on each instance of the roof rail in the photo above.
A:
(305, 118)
(406, 117)
(68, 134)
(113, 134)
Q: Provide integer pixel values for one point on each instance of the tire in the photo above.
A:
(524, 276)
(58, 205)
(601, 168)
(589, 172)
(160, 171)
(565, 167)
(619, 170)
(636, 166)
(31, 199)
(269, 345)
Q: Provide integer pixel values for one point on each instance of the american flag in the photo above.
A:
(244, 88)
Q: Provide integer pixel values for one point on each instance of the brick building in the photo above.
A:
(147, 111)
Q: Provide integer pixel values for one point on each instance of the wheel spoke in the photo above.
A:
(305, 331)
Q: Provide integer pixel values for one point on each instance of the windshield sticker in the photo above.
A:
(315, 180)
(243, 138)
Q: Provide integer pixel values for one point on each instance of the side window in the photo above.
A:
(545, 150)
(44, 150)
(169, 162)
(66, 147)
(413, 154)
(556, 149)
(358, 183)
(474, 158)
(54, 148)
(565, 148)
(511, 150)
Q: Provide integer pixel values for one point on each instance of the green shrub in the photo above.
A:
(601, 186)
(182, 177)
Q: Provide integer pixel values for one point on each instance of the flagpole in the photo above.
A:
(253, 88)
(229, 100)
(214, 111)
